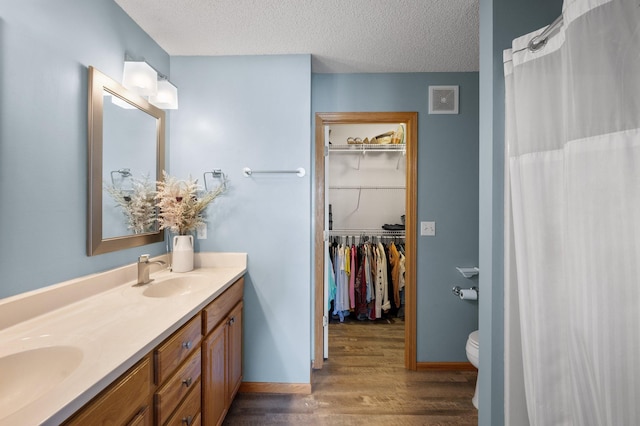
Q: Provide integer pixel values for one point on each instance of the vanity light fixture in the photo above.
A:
(140, 78)
(167, 95)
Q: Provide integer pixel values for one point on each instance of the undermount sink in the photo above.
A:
(29, 374)
(174, 286)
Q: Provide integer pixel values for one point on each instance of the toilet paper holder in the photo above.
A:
(456, 290)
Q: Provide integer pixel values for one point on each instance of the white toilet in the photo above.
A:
(473, 349)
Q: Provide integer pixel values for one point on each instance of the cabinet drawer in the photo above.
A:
(120, 403)
(171, 393)
(177, 348)
(219, 308)
(196, 421)
(187, 412)
(143, 418)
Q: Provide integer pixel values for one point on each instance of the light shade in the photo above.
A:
(140, 78)
(167, 96)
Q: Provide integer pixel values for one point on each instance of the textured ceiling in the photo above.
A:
(343, 36)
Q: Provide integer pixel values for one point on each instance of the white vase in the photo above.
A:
(182, 253)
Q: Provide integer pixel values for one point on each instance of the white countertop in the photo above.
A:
(112, 323)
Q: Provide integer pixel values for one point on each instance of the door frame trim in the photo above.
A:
(411, 138)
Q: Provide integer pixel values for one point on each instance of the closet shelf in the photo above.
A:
(468, 272)
(360, 148)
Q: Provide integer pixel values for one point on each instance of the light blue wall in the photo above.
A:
(500, 22)
(253, 111)
(447, 192)
(45, 48)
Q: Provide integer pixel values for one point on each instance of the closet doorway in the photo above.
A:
(324, 121)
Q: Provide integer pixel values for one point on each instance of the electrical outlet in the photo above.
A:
(428, 229)
(201, 232)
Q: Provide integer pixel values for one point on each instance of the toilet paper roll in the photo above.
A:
(468, 294)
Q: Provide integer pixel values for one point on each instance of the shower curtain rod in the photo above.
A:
(539, 41)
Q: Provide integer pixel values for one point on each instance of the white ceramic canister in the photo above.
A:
(182, 253)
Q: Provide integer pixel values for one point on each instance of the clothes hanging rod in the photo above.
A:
(300, 172)
(368, 187)
(540, 41)
(366, 232)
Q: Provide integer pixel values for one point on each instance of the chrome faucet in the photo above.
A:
(143, 268)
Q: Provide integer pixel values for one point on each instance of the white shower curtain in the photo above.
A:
(572, 229)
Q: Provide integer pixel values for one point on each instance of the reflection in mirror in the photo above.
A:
(126, 156)
(129, 180)
(135, 199)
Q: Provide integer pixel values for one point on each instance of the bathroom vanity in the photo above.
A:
(101, 350)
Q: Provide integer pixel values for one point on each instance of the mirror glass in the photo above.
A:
(128, 180)
(126, 157)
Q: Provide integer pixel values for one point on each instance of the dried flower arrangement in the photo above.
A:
(180, 209)
(137, 204)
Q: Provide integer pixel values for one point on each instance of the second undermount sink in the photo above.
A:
(29, 374)
(174, 286)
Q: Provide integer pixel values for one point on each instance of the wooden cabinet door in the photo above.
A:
(214, 376)
(234, 352)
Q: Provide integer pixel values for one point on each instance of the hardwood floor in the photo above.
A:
(364, 383)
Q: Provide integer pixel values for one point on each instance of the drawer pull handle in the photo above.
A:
(187, 382)
(232, 320)
(187, 420)
(186, 345)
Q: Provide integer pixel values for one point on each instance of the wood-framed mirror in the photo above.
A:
(126, 156)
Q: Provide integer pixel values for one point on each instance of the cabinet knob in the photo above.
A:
(232, 320)
(186, 345)
(187, 382)
(187, 420)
